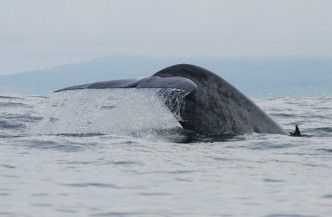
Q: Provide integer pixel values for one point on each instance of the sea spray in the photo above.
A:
(174, 99)
(119, 111)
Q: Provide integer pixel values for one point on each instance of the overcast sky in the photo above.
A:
(38, 34)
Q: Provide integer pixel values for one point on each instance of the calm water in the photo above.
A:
(122, 153)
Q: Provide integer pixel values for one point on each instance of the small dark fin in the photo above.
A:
(296, 132)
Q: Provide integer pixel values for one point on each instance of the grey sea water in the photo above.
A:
(122, 153)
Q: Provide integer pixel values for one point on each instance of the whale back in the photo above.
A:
(217, 107)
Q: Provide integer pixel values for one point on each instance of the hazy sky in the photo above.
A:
(37, 34)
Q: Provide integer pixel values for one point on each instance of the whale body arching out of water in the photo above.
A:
(213, 106)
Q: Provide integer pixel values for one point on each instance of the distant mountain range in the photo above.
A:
(254, 77)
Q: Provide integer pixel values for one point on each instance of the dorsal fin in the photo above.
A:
(296, 132)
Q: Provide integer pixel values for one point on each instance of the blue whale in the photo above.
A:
(213, 106)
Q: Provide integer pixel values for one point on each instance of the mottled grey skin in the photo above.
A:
(213, 106)
(216, 107)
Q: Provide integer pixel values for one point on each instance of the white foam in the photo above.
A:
(109, 111)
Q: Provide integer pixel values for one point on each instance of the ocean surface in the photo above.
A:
(123, 153)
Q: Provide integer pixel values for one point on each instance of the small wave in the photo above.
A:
(181, 171)
(290, 215)
(8, 166)
(314, 116)
(6, 136)
(267, 146)
(64, 146)
(124, 214)
(192, 137)
(319, 131)
(79, 134)
(283, 115)
(66, 210)
(323, 108)
(273, 180)
(10, 97)
(14, 104)
(124, 162)
(325, 150)
(21, 118)
(324, 129)
(96, 185)
(8, 125)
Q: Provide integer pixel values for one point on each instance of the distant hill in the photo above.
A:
(254, 77)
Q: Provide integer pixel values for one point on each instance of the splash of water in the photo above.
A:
(174, 99)
(112, 111)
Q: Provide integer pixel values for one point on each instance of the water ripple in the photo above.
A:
(14, 105)
(272, 180)
(7, 166)
(328, 150)
(54, 145)
(96, 185)
(290, 215)
(8, 125)
(119, 214)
